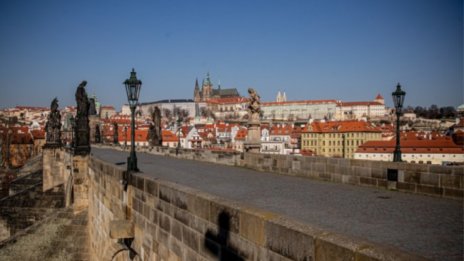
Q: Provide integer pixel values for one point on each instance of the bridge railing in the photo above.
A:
(169, 221)
(433, 180)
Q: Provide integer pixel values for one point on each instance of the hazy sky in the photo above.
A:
(347, 50)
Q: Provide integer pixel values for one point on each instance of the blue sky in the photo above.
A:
(347, 50)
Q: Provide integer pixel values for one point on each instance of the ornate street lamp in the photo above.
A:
(133, 86)
(398, 99)
(179, 126)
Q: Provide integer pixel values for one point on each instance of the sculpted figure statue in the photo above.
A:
(254, 105)
(53, 125)
(154, 133)
(82, 130)
(115, 133)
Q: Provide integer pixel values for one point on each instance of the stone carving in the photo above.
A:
(92, 108)
(115, 133)
(254, 106)
(82, 129)
(97, 134)
(53, 126)
(253, 139)
(154, 134)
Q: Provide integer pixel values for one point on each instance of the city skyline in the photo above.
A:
(310, 50)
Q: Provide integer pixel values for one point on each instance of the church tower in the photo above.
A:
(206, 88)
(196, 92)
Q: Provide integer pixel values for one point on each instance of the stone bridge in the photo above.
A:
(203, 205)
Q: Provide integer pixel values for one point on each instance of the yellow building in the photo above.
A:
(338, 138)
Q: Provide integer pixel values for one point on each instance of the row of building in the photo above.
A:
(227, 104)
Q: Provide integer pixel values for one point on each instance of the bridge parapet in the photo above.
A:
(433, 180)
(173, 222)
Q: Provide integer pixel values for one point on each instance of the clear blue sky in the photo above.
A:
(347, 50)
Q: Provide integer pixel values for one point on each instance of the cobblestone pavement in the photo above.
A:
(432, 227)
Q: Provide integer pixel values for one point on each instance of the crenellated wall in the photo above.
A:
(168, 221)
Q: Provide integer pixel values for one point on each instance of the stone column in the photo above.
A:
(80, 184)
(53, 167)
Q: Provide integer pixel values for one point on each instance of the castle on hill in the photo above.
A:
(207, 91)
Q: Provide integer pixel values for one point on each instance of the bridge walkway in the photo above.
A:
(431, 227)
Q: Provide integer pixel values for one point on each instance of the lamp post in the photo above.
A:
(398, 99)
(133, 86)
(178, 135)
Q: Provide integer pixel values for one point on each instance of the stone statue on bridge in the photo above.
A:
(254, 106)
(97, 134)
(253, 139)
(82, 129)
(154, 134)
(53, 126)
(115, 133)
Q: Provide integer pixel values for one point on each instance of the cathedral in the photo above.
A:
(207, 92)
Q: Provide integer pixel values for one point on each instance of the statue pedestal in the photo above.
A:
(52, 145)
(253, 140)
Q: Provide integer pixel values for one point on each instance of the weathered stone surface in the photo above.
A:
(121, 229)
(289, 240)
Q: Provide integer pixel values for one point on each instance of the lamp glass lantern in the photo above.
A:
(133, 86)
(398, 97)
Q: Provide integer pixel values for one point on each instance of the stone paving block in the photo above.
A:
(217, 209)
(367, 181)
(151, 187)
(426, 189)
(451, 181)
(439, 169)
(287, 239)
(191, 238)
(377, 253)
(458, 171)
(429, 179)
(362, 171)
(453, 193)
(329, 247)
(177, 229)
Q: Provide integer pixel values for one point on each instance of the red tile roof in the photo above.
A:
(342, 126)
(241, 134)
(424, 146)
(359, 103)
(379, 97)
(169, 136)
(298, 102)
(228, 100)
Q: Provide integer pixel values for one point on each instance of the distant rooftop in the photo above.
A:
(167, 101)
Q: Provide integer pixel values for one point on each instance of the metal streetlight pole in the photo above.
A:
(133, 86)
(398, 99)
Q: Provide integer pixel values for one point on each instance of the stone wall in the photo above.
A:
(55, 162)
(433, 180)
(172, 222)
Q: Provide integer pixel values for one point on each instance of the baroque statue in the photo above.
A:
(115, 133)
(97, 134)
(154, 133)
(82, 129)
(53, 126)
(254, 106)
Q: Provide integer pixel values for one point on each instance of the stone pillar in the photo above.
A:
(93, 121)
(253, 140)
(53, 167)
(80, 184)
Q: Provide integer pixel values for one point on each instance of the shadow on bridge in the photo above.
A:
(219, 244)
